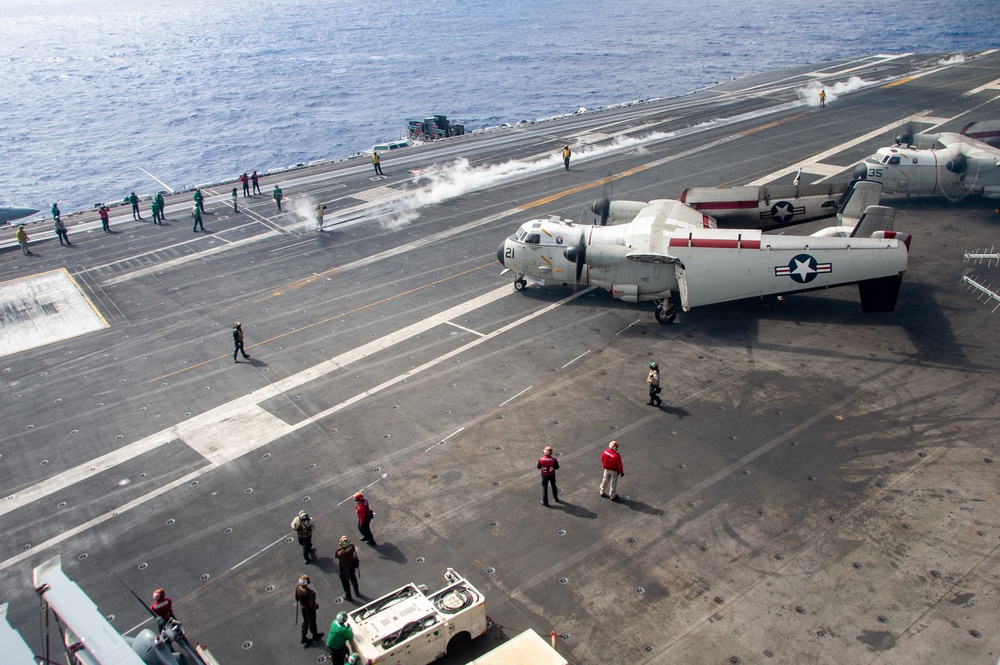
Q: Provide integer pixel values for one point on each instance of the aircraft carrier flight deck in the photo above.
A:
(820, 485)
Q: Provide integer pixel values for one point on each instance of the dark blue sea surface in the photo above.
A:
(95, 93)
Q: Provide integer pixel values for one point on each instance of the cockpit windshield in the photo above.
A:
(885, 156)
(528, 234)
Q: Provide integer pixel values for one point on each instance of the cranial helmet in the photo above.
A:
(652, 365)
(158, 594)
(303, 515)
(342, 618)
(547, 450)
(304, 580)
(358, 496)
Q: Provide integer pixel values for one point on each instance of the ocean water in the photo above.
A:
(103, 97)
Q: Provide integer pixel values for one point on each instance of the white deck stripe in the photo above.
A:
(818, 158)
(221, 428)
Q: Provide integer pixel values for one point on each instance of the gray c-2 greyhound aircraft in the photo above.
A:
(949, 164)
(667, 248)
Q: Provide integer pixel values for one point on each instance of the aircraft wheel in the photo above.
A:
(520, 284)
(666, 316)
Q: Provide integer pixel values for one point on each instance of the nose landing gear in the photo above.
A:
(519, 282)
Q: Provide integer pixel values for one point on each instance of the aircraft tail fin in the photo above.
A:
(856, 198)
(879, 295)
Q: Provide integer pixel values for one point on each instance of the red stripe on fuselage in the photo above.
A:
(724, 205)
(715, 243)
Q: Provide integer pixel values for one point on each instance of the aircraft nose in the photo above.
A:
(500, 253)
(860, 171)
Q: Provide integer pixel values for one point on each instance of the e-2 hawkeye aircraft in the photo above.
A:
(665, 247)
(947, 164)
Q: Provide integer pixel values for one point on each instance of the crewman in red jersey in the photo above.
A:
(611, 462)
(548, 465)
(365, 516)
(162, 607)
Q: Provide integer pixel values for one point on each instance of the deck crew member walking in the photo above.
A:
(365, 516)
(55, 212)
(350, 567)
(61, 231)
(305, 598)
(196, 216)
(377, 163)
(548, 465)
(238, 343)
(199, 200)
(303, 526)
(611, 462)
(653, 381)
(566, 155)
(235, 209)
(277, 196)
(822, 99)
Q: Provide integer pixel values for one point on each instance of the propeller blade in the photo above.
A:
(578, 255)
(905, 136)
(602, 208)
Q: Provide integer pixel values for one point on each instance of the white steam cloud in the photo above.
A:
(304, 209)
(810, 93)
(442, 182)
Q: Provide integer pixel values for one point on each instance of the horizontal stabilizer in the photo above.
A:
(875, 218)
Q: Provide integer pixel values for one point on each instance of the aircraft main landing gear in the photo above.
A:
(519, 283)
(664, 312)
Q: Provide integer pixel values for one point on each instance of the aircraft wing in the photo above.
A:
(765, 206)
(987, 131)
(720, 266)
(13, 647)
(101, 642)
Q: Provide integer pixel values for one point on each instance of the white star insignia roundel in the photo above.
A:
(802, 269)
